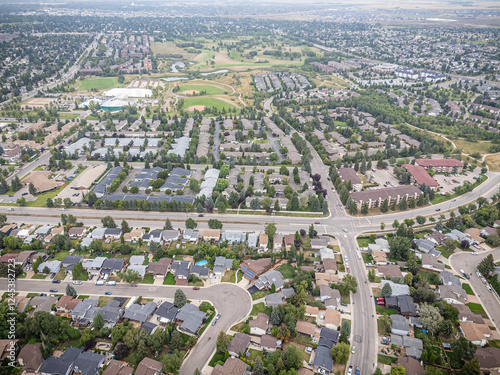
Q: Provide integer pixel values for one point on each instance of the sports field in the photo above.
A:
(208, 102)
(209, 89)
(98, 83)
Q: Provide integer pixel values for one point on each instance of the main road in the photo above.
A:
(223, 296)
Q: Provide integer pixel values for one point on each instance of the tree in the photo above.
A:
(172, 362)
(130, 276)
(472, 368)
(430, 317)
(412, 263)
(382, 226)
(271, 230)
(191, 224)
(486, 266)
(70, 291)
(275, 316)
(31, 188)
(168, 225)
(446, 328)
(364, 208)
(378, 371)
(371, 275)
(398, 370)
(108, 222)
(222, 342)
(399, 247)
(46, 269)
(98, 321)
(258, 367)
(125, 227)
(421, 219)
(340, 353)
(179, 298)
(255, 204)
(408, 279)
(176, 341)
(463, 349)
(348, 284)
(67, 202)
(311, 231)
(387, 290)
(214, 224)
(293, 357)
(395, 224)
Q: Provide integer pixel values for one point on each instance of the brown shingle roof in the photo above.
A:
(305, 328)
(30, 357)
(268, 341)
(389, 193)
(489, 358)
(148, 366)
(239, 343)
(232, 366)
(118, 368)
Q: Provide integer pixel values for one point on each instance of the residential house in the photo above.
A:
(459, 236)
(399, 325)
(160, 268)
(274, 299)
(476, 333)
(379, 257)
(199, 271)
(329, 297)
(252, 268)
(166, 312)
(112, 266)
(30, 358)
(81, 309)
(153, 236)
(430, 262)
(278, 242)
(98, 233)
(326, 279)
(411, 365)
(69, 262)
(475, 235)
(263, 242)
(8, 228)
(288, 241)
(452, 294)
(190, 235)
(488, 231)
(323, 362)
(259, 325)
(43, 303)
(140, 313)
(136, 260)
(436, 237)
(326, 253)
(149, 366)
(62, 365)
(134, 235)
(404, 304)
(424, 246)
(10, 257)
(149, 327)
(320, 243)
(466, 315)
(93, 266)
(211, 235)
(305, 328)
(312, 311)
(115, 367)
(238, 344)
(181, 270)
(333, 319)
(411, 345)
(266, 280)
(388, 271)
(489, 359)
(330, 266)
(76, 232)
(447, 278)
(53, 265)
(190, 318)
(233, 236)
(221, 265)
(24, 258)
(252, 240)
(66, 304)
(268, 343)
(232, 366)
(397, 289)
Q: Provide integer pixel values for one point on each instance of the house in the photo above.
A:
(389, 270)
(233, 236)
(397, 289)
(266, 280)
(134, 235)
(149, 327)
(66, 304)
(149, 366)
(323, 362)
(43, 303)
(8, 228)
(277, 242)
(166, 312)
(136, 260)
(140, 313)
(287, 292)
(160, 268)
(288, 240)
(10, 258)
(112, 313)
(305, 328)
(274, 299)
(211, 235)
(221, 265)
(466, 315)
(329, 297)
(232, 366)
(452, 294)
(411, 365)
(447, 278)
(252, 268)
(238, 344)
(476, 333)
(330, 266)
(349, 174)
(24, 258)
(81, 309)
(191, 317)
(456, 235)
(98, 233)
(312, 311)
(488, 231)
(430, 262)
(319, 243)
(88, 363)
(53, 266)
(181, 270)
(332, 319)
(153, 236)
(43, 231)
(62, 365)
(259, 325)
(475, 235)
(268, 343)
(93, 266)
(76, 232)
(379, 257)
(69, 262)
(30, 358)
(252, 240)
(199, 271)
(326, 253)
(424, 246)
(325, 279)
(413, 346)
(404, 304)
(399, 325)
(190, 235)
(112, 266)
(115, 367)
(263, 242)
(436, 237)
(489, 358)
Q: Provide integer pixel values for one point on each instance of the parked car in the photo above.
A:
(317, 222)
(108, 293)
(483, 280)
(489, 288)
(52, 275)
(478, 274)
(56, 281)
(196, 288)
(133, 284)
(383, 342)
(343, 304)
(53, 290)
(77, 282)
(344, 229)
(438, 209)
(309, 349)
(349, 370)
(358, 371)
(353, 350)
(10, 209)
(200, 215)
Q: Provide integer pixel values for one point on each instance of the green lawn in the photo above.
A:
(99, 83)
(61, 255)
(468, 289)
(42, 198)
(444, 252)
(477, 309)
(495, 343)
(208, 102)
(68, 116)
(229, 277)
(209, 89)
(216, 358)
(258, 308)
(287, 270)
(260, 294)
(39, 276)
(148, 279)
(386, 360)
(385, 311)
(169, 279)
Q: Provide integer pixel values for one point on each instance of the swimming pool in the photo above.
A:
(201, 263)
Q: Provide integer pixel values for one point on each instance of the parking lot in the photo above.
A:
(448, 184)
(381, 177)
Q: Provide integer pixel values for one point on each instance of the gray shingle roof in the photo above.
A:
(140, 313)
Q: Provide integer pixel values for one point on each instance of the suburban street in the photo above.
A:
(222, 296)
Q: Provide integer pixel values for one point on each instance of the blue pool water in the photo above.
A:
(201, 263)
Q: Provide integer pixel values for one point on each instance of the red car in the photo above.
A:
(196, 288)
(316, 222)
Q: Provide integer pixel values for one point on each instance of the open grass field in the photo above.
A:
(208, 102)
(169, 48)
(473, 147)
(209, 89)
(99, 83)
(493, 162)
(68, 116)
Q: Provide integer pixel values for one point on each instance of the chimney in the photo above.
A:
(77, 371)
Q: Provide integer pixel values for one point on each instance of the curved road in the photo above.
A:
(222, 296)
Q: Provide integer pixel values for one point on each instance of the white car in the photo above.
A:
(77, 282)
(62, 209)
(489, 288)
(474, 253)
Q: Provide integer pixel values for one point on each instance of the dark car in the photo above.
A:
(343, 303)
(53, 290)
(56, 281)
(383, 342)
(107, 293)
(438, 209)
(358, 371)
(201, 215)
(52, 275)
